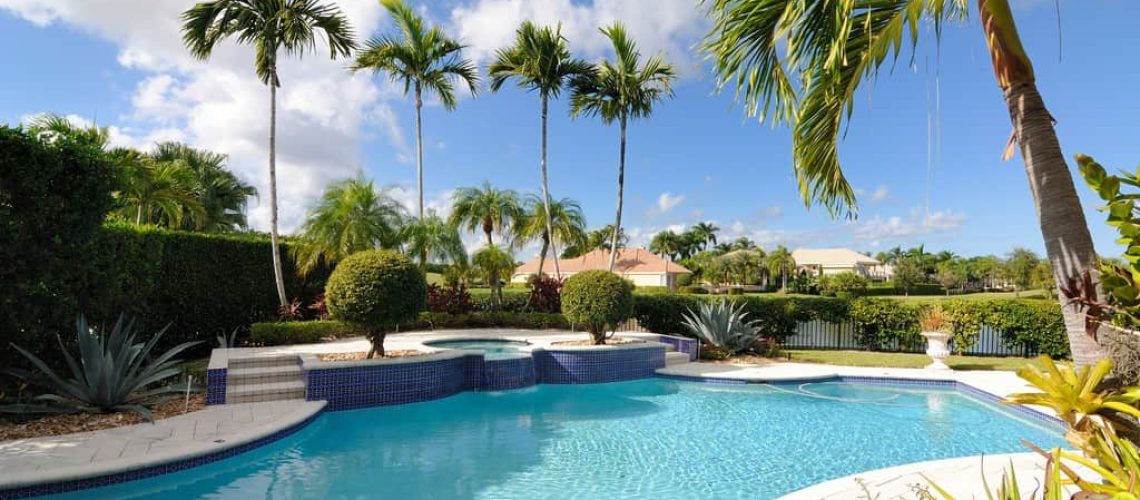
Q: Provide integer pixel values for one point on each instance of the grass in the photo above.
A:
(1028, 294)
(435, 279)
(907, 360)
(196, 368)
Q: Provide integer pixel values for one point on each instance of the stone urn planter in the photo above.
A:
(938, 349)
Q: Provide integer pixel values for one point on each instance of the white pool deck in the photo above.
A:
(92, 454)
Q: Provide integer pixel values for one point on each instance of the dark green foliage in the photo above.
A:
(915, 289)
(597, 300)
(452, 299)
(775, 316)
(1034, 324)
(111, 373)
(53, 198)
(545, 294)
(379, 290)
(300, 332)
(694, 290)
(652, 289)
(887, 323)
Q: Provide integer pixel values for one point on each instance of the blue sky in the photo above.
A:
(698, 158)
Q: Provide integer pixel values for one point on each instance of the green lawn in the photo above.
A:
(435, 279)
(1028, 294)
(906, 360)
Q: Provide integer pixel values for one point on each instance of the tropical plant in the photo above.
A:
(598, 239)
(111, 373)
(906, 274)
(951, 275)
(801, 62)
(351, 216)
(220, 193)
(52, 127)
(724, 325)
(435, 239)
(704, 233)
(597, 300)
(154, 191)
(451, 299)
(566, 219)
(843, 283)
(485, 208)
(377, 291)
(780, 262)
(540, 61)
(620, 90)
(492, 261)
(423, 59)
(545, 293)
(272, 27)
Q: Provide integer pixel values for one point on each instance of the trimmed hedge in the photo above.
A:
(918, 289)
(598, 300)
(311, 332)
(300, 332)
(777, 316)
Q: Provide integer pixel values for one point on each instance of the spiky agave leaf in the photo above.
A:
(723, 325)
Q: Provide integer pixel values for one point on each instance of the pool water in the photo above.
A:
(492, 348)
(652, 438)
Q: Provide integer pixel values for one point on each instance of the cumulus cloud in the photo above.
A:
(879, 194)
(323, 111)
(667, 201)
(877, 230)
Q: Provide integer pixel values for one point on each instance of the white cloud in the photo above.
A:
(879, 194)
(668, 26)
(667, 201)
(877, 230)
(323, 111)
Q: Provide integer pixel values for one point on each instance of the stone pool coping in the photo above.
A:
(72, 462)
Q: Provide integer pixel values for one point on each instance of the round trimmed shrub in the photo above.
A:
(378, 290)
(597, 300)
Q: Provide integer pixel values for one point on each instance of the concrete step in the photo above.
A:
(676, 358)
(263, 361)
(670, 347)
(264, 374)
(250, 393)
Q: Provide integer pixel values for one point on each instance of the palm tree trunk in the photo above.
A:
(1068, 243)
(621, 187)
(277, 274)
(542, 254)
(419, 152)
(546, 200)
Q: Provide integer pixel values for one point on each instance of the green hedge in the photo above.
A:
(890, 289)
(777, 315)
(311, 332)
(299, 332)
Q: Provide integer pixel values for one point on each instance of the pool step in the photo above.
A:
(264, 378)
(676, 358)
(263, 361)
(264, 374)
(250, 393)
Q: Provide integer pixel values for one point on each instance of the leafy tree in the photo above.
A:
(434, 239)
(156, 192)
(907, 273)
(272, 27)
(566, 219)
(781, 262)
(424, 58)
(491, 262)
(595, 240)
(1020, 266)
(951, 275)
(221, 194)
(1043, 278)
(704, 233)
(540, 61)
(621, 90)
(802, 61)
(667, 244)
(351, 216)
(488, 209)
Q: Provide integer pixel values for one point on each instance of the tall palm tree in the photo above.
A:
(51, 126)
(222, 195)
(153, 191)
(423, 59)
(621, 90)
(488, 209)
(273, 27)
(431, 237)
(780, 262)
(540, 61)
(351, 216)
(706, 233)
(565, 218)
(801, 62)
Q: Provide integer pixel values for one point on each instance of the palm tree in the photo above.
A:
(666, 244)
(51, 127)
(351, 216)
(780, 262)
(595, 240)
(618, 91)
(488, 209)
(801, 62)
(540, 61)
(222, 195)
(425, 59)
(491, 261)
(155, 191)
(272, 27)
(566, 220)
(705, 233)
(434, 238)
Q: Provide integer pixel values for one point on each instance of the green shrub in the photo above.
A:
(377, 290)
(1035, 325)
(598, 300)
(736, 291)
(775, 316)
(300, 332)
(652, 289)
(724, 325)
(845, 283)
(526, 321)
(965, 319)
(684, 280)
(886, 322)
(693, 290)
(916, 289)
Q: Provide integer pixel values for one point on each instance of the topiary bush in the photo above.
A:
(377, 290)
(598, 300)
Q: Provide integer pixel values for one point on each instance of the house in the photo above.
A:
(635, 264)
(829, 261)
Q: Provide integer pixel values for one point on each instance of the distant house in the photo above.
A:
(829, 261)
(635, 264)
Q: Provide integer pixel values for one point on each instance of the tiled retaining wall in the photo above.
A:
(377, 384)
(681, 344)
(216, 386)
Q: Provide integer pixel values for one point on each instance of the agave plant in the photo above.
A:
(723, 325)
(112, 372)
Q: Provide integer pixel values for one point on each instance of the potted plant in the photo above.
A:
(936, 331)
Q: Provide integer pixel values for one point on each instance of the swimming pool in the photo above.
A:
(492, 348)
(651, 438)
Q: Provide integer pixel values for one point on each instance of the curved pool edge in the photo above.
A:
(185, 455)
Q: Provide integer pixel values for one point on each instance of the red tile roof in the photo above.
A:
(629, 261)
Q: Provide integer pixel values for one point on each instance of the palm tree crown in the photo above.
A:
(539, 61)
(485, 208)
(222, 195)
(434, 238)
(351, 216)
(566, 219)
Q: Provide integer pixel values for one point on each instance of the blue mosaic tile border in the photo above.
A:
(682, 344)
(216, 386)
(588, 366)
(507, 373)
(387, 384)
(153, 470)
(707, 380)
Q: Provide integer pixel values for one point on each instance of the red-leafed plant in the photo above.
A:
(318, 308)
(545, 294)
(452, 299)
(293, 311)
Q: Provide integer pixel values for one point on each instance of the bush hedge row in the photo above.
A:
(308, 332)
